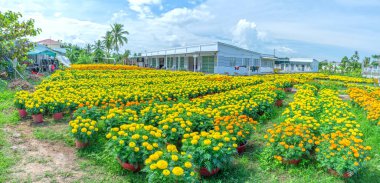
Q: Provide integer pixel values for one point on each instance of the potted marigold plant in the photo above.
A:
(19, 102)
(240, 127)
(210, 150)
(342, 154)
(280, 96)
(170, 166)
(84, 131)
(133, 143)
(173, 128)
(56, 108)
(116, 117)
(287, 86)
(36, 108)
(289, 142)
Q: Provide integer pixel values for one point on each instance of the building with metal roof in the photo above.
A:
(215, 57)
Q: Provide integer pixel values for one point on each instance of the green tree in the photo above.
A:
(98, 48)
(88, 48)
(14, 33)
(344, 64)
(118, 36)
(107, 42)
(366, 61)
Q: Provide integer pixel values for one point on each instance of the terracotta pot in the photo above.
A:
(347, 174)
(130, 167)
(37, 118)
(288, 89)
(22, 113)
(291, 162)
(204, 172)
(241, 148)
(279, 103)
(58, 116)
(80, 144)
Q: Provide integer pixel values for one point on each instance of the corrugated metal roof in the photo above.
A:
(301, 59)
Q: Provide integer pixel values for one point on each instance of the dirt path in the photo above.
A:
(40, 160)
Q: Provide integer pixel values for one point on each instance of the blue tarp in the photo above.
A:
(42, 50)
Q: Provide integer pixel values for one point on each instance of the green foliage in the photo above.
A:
(14, 35)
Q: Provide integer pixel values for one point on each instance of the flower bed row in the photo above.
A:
(319, 125)
(370, 101)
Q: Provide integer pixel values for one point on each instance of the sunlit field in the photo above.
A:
(142, 125)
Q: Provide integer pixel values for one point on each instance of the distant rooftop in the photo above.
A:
(48, 42)
(301, 60)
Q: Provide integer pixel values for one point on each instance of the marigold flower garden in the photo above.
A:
(186, 127)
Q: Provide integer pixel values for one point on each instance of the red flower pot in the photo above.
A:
(279, 103)
(58, 116)
(80, 144)
(288, 89)
(204, 172)
(291, 162)
(37, 118)
(130, 167)
(347, 174)
(241, 148)
(22, 113)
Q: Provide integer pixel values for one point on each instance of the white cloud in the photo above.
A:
(245, 34)
(67, 29)
(184, 16)
(57, 14)
(119, 16)
(284, 50)
(143, 7)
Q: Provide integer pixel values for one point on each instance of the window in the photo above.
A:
(232, 61)
(208, 64)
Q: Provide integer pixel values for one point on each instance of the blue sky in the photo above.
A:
(324, 29)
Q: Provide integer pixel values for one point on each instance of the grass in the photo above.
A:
(371, 133)
(52, 134)
(7, 116)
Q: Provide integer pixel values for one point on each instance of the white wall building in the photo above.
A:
(208, 58)
(288, 65)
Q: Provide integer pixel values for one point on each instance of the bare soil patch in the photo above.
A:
(40, 160)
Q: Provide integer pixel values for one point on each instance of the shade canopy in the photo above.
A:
(42, 50)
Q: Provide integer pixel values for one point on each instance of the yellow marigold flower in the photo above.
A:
(356, 163)
(207, 142)
(137, 149)
(174, 130)
(89, 133)
(83, 130)
(114, 137)
(149, 147)
(162, 164)
(121, 142)
(194, 142)
(166, 172)
(178, 171)
(216, 148)
(153, 166)
(174, 157)
(132, 144)
(192, 173)
(74, 130)
(188, 165)
(234, 145)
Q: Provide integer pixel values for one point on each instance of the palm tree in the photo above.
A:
(125, 55)
(98, 50)
(366, 61)
(118, 36)
(88, 48)
(107, 42)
